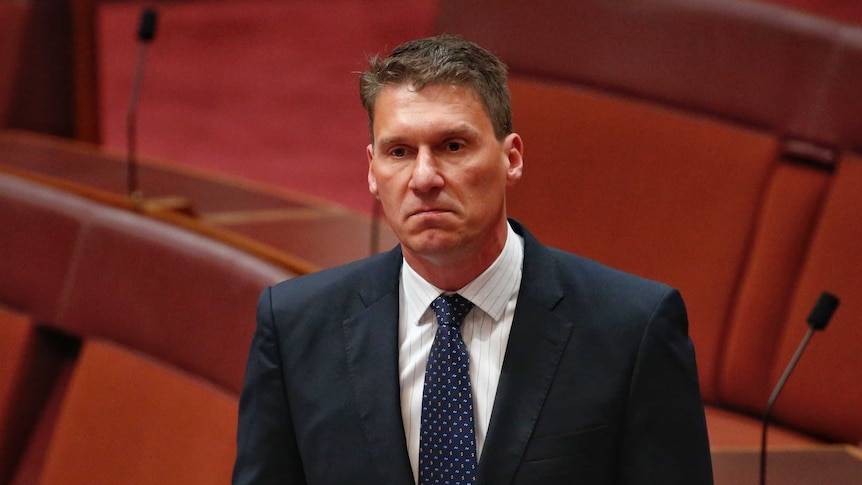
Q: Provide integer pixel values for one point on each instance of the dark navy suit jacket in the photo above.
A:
(598, 387)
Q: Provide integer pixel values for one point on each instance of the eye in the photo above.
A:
(454, 146)
(397, 152)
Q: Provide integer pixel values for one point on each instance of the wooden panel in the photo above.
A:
(823, 465)
(39, 228)
(790, 208)
(176, 295)
(130, 419)
(664, 194)
(54, 89)
(16, 352)
(824, 394)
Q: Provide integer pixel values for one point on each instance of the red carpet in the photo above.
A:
(265, 90)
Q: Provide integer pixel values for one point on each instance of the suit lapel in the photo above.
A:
(536, 344)
(371, 347)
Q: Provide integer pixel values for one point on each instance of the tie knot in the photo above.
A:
(451, 309)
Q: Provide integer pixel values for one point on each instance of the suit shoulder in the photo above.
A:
(611, 302)
(605, 283)
(583, 276)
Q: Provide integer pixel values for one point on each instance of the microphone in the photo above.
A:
(146, 33)
(817, 320)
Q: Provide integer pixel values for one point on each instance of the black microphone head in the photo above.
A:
(147, 29)
(823, 310)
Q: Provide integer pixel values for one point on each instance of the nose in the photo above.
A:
(426, 174)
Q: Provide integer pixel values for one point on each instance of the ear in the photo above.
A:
(372, 180)
(513, 147)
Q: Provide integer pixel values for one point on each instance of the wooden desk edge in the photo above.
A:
(165, 213)
(851, 449)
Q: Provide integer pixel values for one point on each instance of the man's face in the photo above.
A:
(440, 172)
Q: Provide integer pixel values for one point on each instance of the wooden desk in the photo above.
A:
(822, 465)
(317, 233)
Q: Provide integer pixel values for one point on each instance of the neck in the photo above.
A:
(454, 271)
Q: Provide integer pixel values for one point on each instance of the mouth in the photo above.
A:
(427, 212)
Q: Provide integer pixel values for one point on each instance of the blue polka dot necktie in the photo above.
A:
(447, 444)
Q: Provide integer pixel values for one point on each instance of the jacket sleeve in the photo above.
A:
(267, 452)
(665, 439)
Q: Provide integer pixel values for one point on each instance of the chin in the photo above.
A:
(431, 243)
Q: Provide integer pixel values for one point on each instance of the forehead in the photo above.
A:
(399, 107)
(405, 94)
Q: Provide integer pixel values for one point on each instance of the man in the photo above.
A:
(562, 370)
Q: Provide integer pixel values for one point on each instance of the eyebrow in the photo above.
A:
(464, 129)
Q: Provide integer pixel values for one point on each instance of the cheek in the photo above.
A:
(484, 183)
(388, 185)
(487, 189)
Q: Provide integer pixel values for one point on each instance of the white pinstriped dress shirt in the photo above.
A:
(486, 328)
